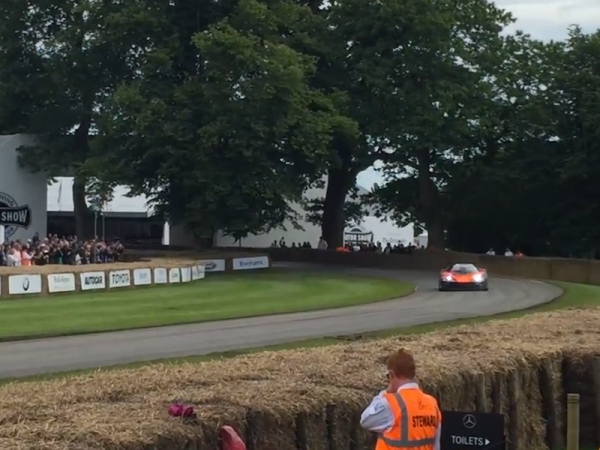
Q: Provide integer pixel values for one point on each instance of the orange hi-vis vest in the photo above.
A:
(417, 418)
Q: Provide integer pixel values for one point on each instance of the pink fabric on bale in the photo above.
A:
(230, 440)
(179, 410)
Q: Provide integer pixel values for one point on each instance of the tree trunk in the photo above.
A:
(435, 235)
(80, 209)
(82, 148)
(429, 210)
(339, 181)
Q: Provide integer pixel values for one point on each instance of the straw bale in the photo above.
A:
(311, 398)
(58, 268)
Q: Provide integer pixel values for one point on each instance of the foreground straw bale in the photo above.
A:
(312, 399)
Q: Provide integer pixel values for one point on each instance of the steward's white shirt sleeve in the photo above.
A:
(378, 416)
(438, 435)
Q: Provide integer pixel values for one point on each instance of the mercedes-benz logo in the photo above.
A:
(469, 421)
(26, 284)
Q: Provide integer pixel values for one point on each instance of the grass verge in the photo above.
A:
(216, 298)
(574, 295)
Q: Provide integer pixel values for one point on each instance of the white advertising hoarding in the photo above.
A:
(61, 282)
(160, 275)
(92, 280)
(251, 263)
(25, 284)
(142, 277)
(119, 278)
(174, 275)
(186, 275)
(213, 265)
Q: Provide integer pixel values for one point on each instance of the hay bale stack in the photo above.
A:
(312, 399)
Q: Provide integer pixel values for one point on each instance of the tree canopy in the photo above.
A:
(225, 113)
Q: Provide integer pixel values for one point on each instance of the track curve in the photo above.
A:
(426, 305)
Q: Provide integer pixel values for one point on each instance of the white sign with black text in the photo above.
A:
(201, 271)
(251, 263)
(186, 275)
(25, 284)
(119, 278)
(213, 265)
(142, 277)
(174, 275)
(92, 280)
(475, 441)
(61, 282)
(160, 275)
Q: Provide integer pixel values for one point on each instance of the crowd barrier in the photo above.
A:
(558, 269)
(24, 281)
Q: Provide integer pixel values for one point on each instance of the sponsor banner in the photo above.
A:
(174, 275)
(213, 265)
(186, 275)
(160, 275)
(92, 280)
(256, 262)
(25, 284)
(61, 282)
(142, 277)
(201, 272)
(119, 278)
(13, 215)
(195, 273)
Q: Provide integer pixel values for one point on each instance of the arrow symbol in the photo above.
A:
(487, 442)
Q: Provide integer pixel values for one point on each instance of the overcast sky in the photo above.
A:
(543, 19)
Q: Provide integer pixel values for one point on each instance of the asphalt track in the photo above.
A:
(426, 305)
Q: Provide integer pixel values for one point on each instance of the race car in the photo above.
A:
(463, 276)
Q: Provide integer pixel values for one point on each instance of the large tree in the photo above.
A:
(60, 62)
(221, 127)
(534, 188)
(427, 68)
(351, 150)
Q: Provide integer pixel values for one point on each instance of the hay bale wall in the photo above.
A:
(187, 265)
(311, 399)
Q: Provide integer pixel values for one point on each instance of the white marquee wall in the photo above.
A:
(31, 189)
(22, 186)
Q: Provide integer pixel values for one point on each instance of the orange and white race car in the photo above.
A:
(463, 276)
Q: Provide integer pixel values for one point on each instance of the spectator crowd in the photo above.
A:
(352, 246)
(59, 250)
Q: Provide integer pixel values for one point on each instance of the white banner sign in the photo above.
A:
(186, 275)
(195, 273)
(256, 262)
(160, 275)
(174, 275)
(119, 278)
(213, 265)
(61, 282)
(201, 271)
(142, 277)
(24, 284)
(92, 280)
